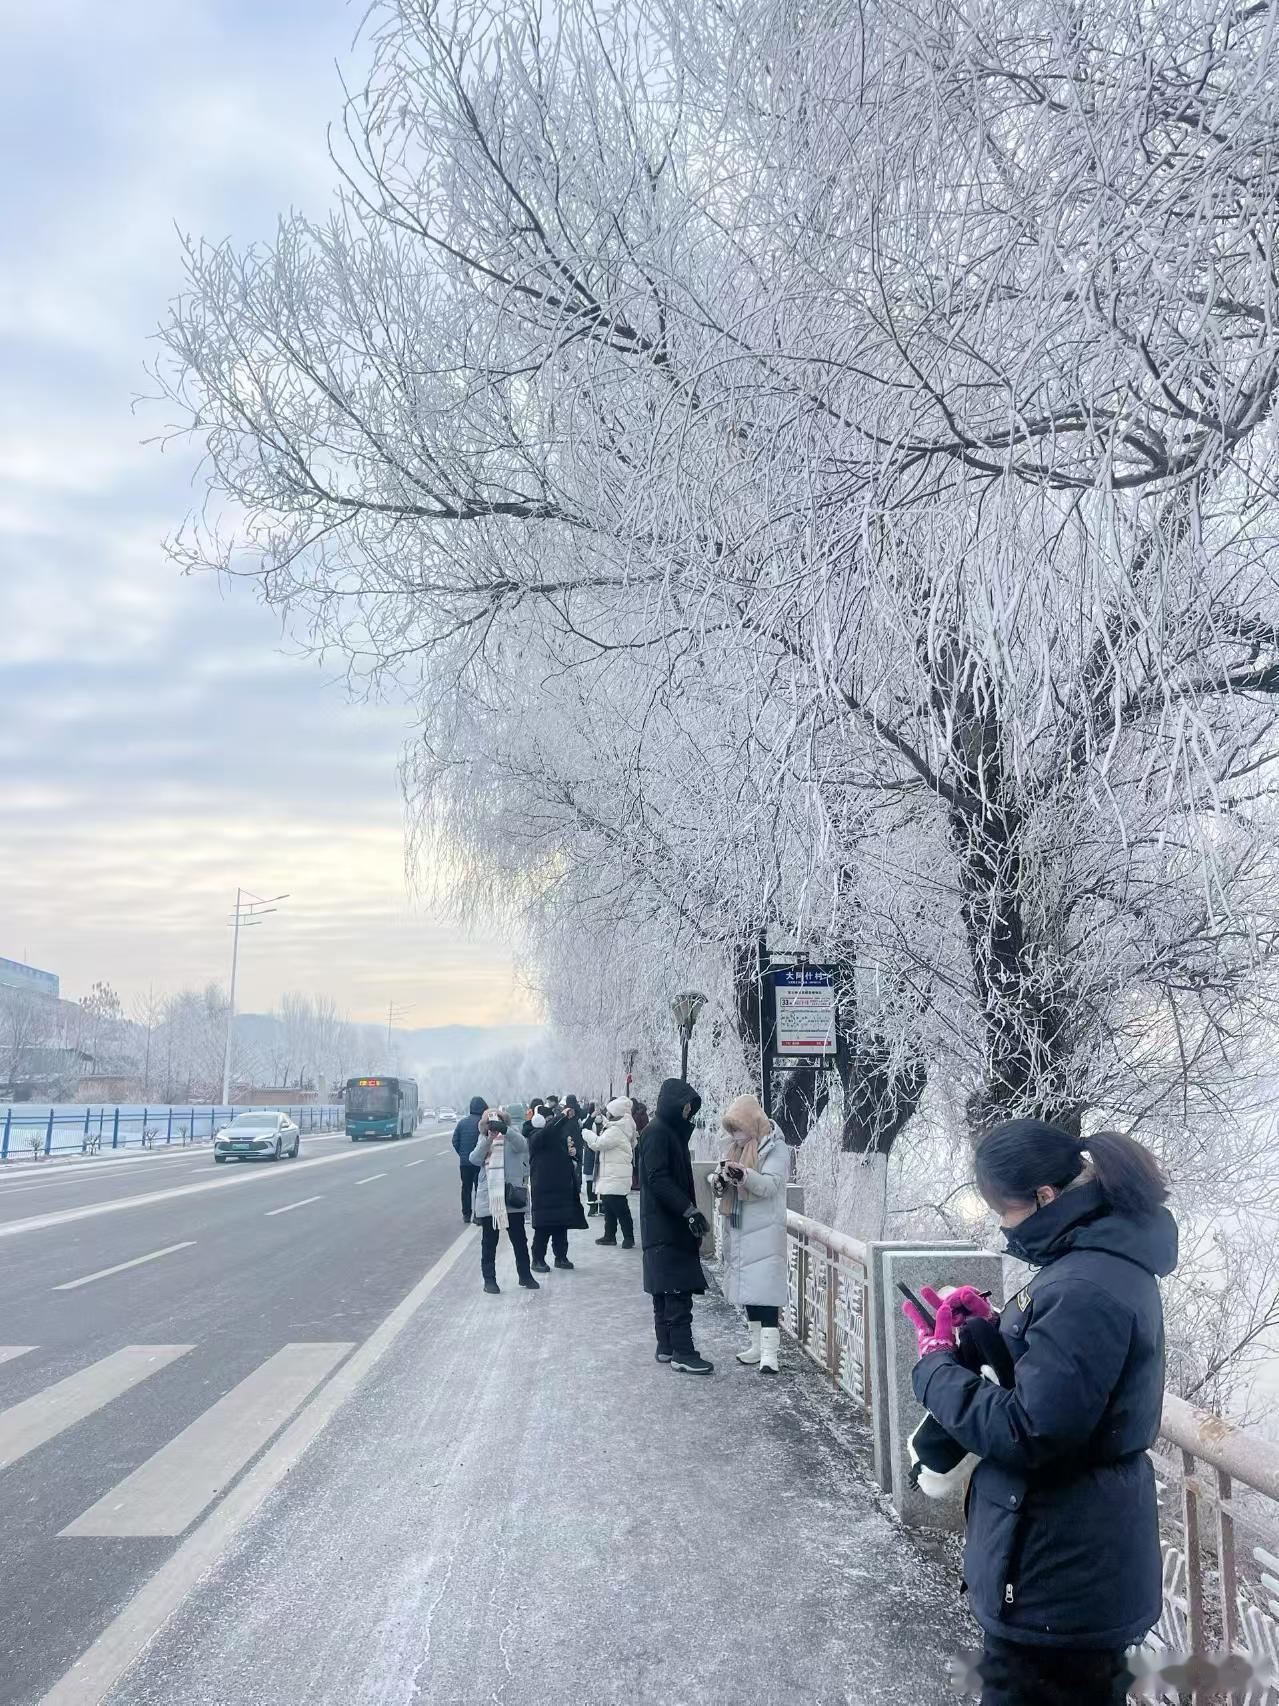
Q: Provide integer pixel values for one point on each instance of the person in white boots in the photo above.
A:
(750, 1185)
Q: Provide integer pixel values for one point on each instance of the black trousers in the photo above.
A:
(556, 1237)
(489, 1235)
(469, 1176)
(1018, 1675)
(673, 1321)
(617, 1212)
(765, 1313)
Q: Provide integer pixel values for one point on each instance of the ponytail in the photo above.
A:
(1131, 1179)
(1016, 1160)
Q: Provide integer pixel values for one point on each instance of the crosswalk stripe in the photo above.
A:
(46, 1414)
(119, 1268)
(8, 1352)
(290, 1205)
(165, 1495)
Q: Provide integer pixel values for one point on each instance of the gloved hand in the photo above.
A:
(964, 1303)
(697, 1224)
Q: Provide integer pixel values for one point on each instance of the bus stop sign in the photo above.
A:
(804, 998)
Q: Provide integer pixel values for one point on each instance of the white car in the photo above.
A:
(446, 1114)
(262, 1134)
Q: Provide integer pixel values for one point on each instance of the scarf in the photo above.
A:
(741, 1152)
(495, 1178)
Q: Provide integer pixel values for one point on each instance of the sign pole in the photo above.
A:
(765, 1038)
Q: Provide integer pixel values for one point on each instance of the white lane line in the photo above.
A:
(123, 1641)
(8, 1352)
(165, 1495)
(65, 1216)
(417, 1163)
(105, 1273)
(370, 1178)
(37, 1419)
(290, 1206)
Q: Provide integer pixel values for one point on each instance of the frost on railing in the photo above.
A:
(826, 1302)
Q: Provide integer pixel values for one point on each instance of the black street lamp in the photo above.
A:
(685, 1009)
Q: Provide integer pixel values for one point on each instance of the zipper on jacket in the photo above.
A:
(1008, 1593)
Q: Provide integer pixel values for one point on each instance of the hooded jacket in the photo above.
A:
(1063, 1528)
(614, 1148)
(466, 1133)
(553, 1175)
(753, 1258)
(671, 1254)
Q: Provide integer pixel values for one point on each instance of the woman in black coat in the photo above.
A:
(1062, 1558)
(671, 1228)
(557, 1208)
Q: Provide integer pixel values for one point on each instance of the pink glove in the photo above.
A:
(962, 1304)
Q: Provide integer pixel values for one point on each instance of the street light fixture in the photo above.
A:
(249, 909)
(685, 1009)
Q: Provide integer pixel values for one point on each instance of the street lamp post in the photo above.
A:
(685, 1009)
(249, 909)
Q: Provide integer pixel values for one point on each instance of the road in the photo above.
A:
(161, 1321)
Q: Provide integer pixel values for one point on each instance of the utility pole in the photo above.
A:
(249, 909)
(394, 1010)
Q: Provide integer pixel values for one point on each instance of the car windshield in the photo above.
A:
(254, 1122)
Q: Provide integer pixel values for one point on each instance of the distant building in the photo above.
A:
(14, 975)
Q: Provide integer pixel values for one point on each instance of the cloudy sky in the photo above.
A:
(160, 741)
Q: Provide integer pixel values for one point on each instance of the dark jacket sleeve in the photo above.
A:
(660, 1180)
(463, 1140)
(1077, 1342)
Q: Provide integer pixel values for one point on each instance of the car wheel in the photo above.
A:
(293, 1153)
(278, 1150)
(354, 1138)
(219, 1159)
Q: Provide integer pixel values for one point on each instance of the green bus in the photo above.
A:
(380, 1107)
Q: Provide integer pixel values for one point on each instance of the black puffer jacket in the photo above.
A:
(553, 1176)
(671, 1258)
(1063, 1530)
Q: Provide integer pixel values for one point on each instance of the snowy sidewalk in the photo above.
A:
(522, 1507)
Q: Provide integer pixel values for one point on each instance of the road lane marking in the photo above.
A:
(8, 1352)
(370, 1178)
(120, 1645)
(291, 1205)
(40, 1418)
(417, 1163)
(65, 1216)
(105, 1273)
(165, 1495)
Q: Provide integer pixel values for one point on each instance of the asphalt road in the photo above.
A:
(161, 1321)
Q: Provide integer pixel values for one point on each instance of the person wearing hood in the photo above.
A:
(557, 1207)
(614, 1148)
(1062, 1557)
(671, 1226)
(465, 1136)
(750, 1189)
(500, 1157)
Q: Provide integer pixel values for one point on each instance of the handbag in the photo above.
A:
(516, 1199)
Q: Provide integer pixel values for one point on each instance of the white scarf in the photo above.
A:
(495, 1178)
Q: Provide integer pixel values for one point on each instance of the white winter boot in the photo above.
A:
(751, 1354)
(770, 1341)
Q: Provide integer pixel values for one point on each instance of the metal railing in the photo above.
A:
(1218, 1488)
(34, 1133)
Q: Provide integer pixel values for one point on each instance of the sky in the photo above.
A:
(161, 741)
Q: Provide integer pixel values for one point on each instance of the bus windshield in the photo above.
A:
(372, 1101)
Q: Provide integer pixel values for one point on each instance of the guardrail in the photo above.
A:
(29, 1132)
(1218, 1488)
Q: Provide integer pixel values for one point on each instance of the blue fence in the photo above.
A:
(29, 1131)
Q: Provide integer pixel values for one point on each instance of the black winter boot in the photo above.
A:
(691, 1362)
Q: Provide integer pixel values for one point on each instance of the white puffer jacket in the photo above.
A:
(615, 1146)
(753, 1265)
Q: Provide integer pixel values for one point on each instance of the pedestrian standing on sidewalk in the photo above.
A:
(557, 1208)
(591, 1124)
(639, 1113)
(465, 1136)
(1062, 1556)
(749, 1183)
(671, 1226)
(614, 1146)
(501, 1196)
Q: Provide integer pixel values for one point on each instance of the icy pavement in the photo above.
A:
(521, 1507)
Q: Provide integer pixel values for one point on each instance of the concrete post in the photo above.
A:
(936, 1265)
